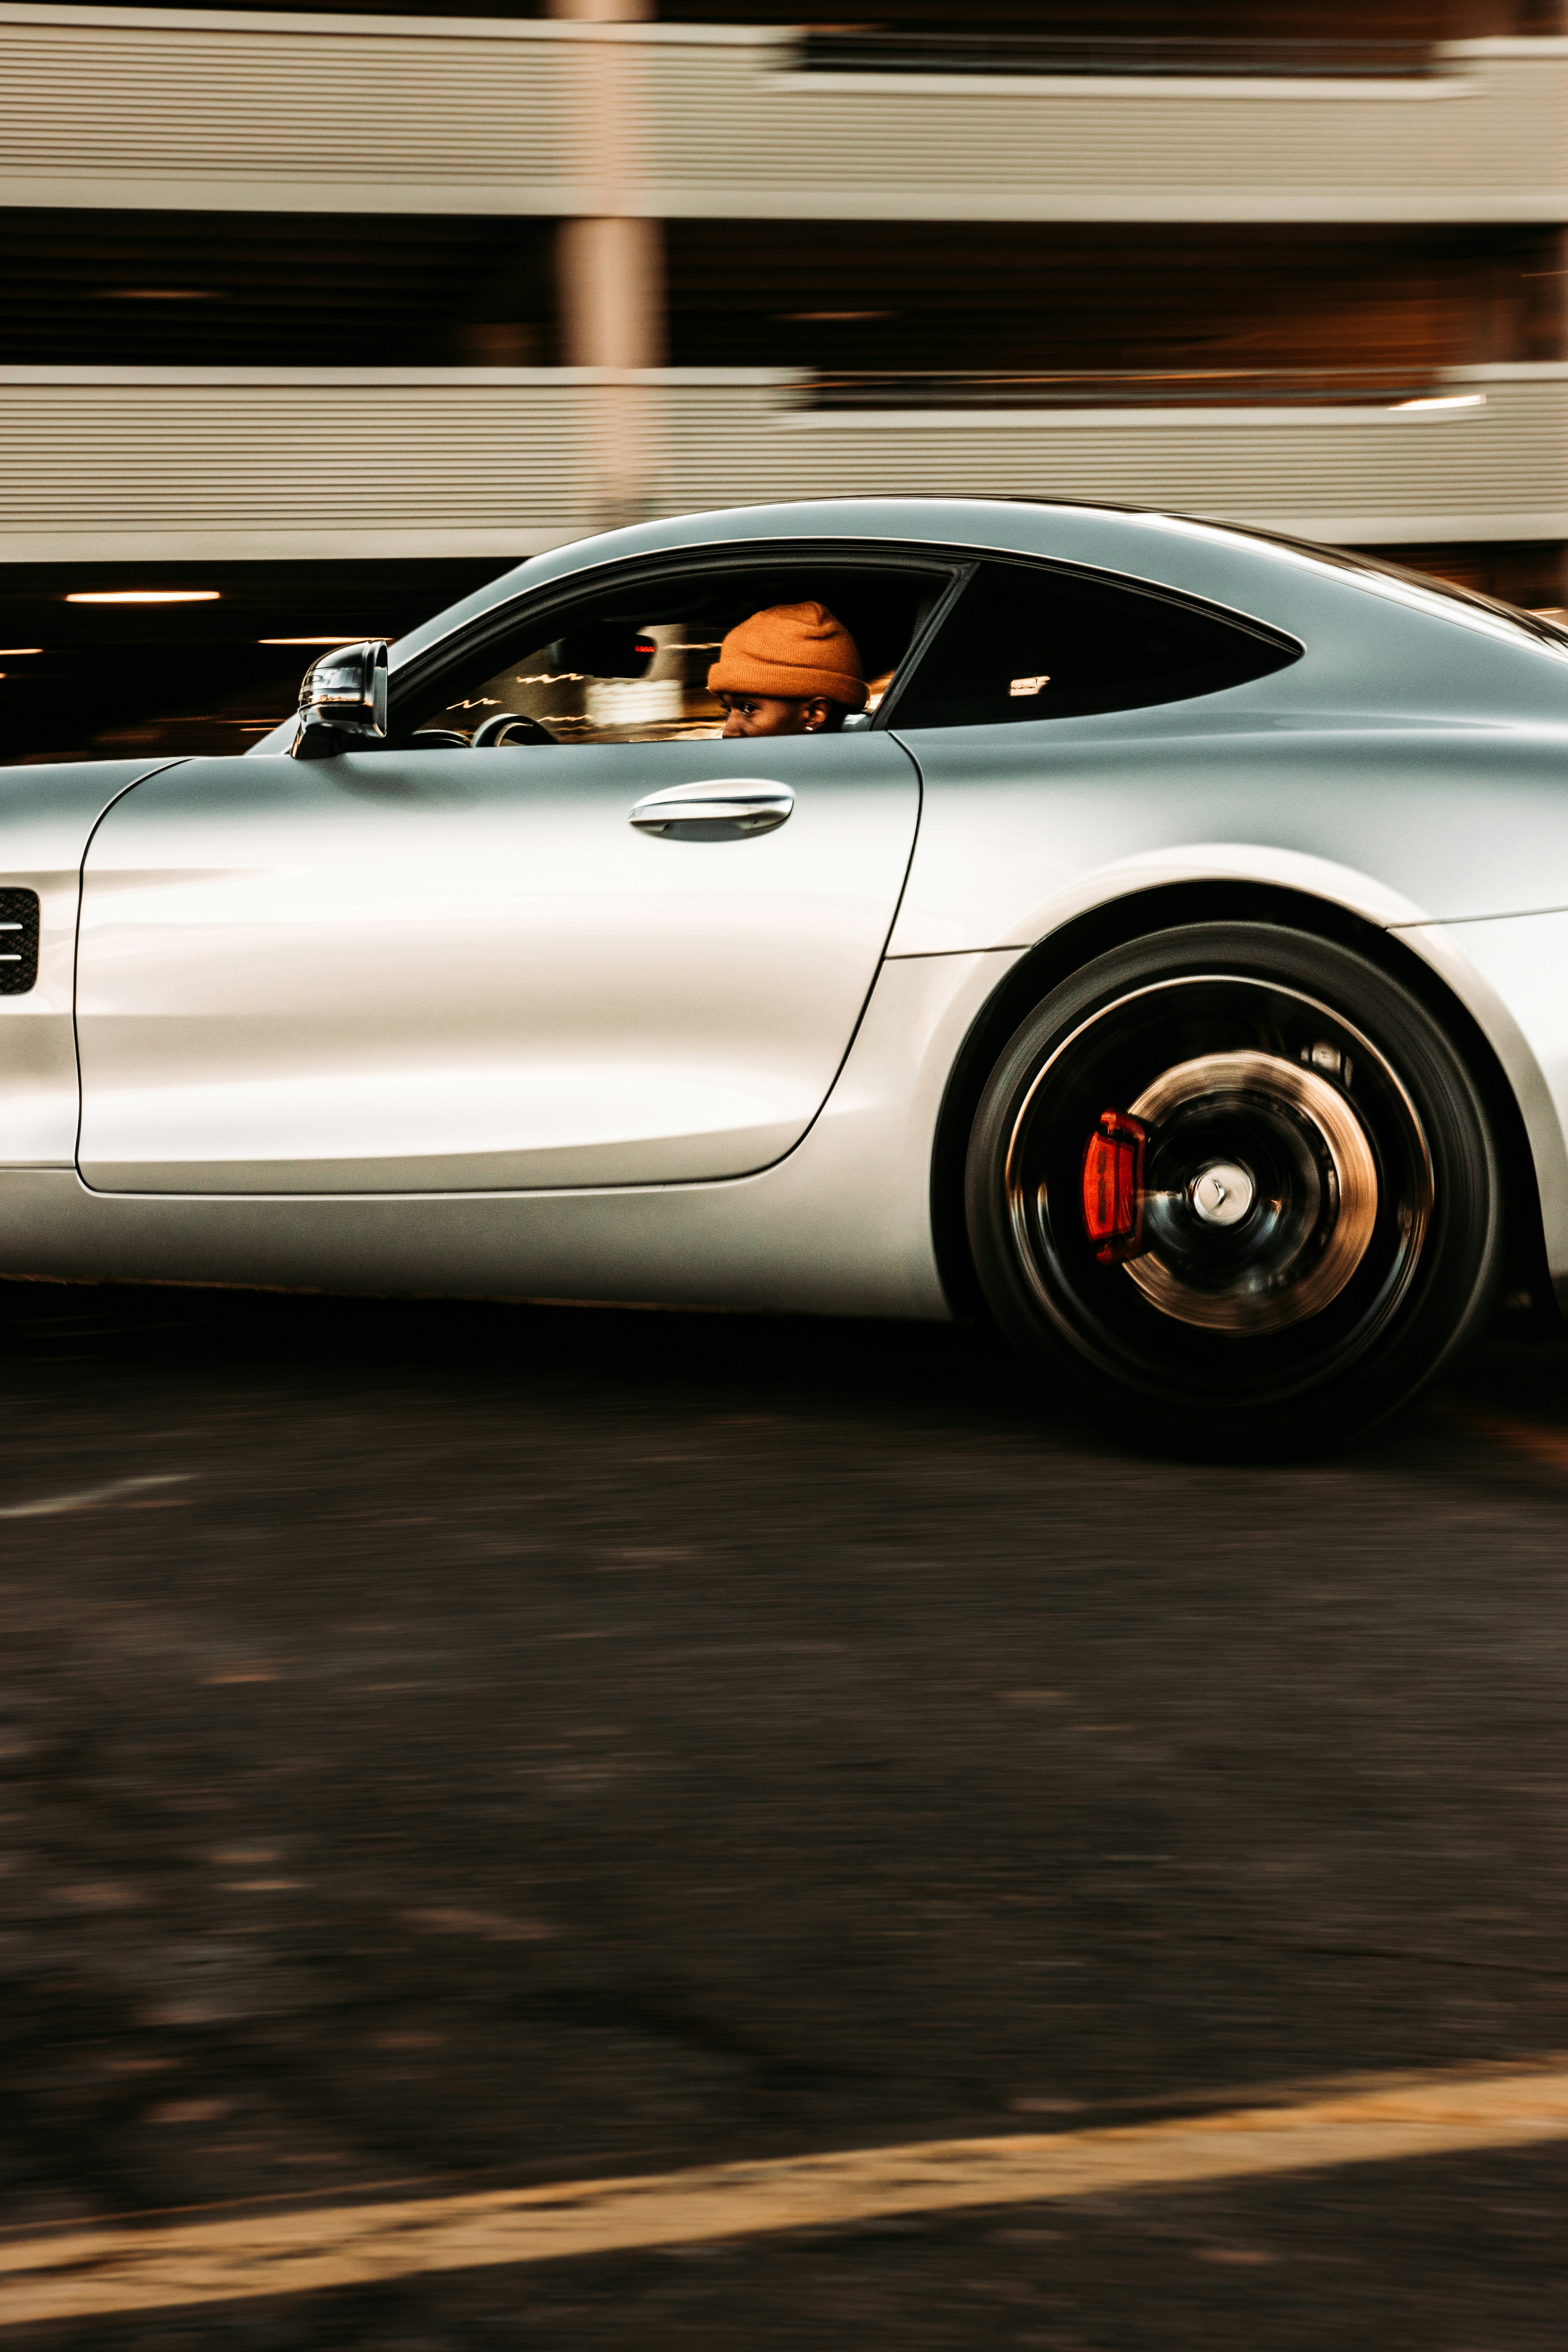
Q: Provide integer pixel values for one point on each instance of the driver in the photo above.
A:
(790, 670)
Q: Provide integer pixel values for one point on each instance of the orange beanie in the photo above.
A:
(790, 650)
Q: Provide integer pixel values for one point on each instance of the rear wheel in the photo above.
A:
(1234, 1186)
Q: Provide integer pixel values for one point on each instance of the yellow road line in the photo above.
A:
(92, 2272)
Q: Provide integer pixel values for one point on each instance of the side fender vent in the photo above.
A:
(18, 941)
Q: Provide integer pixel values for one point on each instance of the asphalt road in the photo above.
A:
(497, 1745)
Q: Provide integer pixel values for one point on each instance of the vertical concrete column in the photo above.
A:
(610, 267)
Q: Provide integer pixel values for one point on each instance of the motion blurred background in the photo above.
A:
(309, 322)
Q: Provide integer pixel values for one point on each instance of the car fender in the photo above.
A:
(1214, 861)
(1511, 989)
(48, 814)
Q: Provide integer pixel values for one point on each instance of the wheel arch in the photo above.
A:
(1116, 922)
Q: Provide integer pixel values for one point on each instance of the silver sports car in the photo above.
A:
(1169, 963)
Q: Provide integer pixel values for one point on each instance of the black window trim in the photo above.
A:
(961, 565)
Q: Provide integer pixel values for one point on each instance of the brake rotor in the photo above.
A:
(1260, 1192)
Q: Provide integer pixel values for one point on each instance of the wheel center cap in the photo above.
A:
(1223, 1193)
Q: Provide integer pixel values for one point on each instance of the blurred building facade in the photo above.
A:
(339, 313)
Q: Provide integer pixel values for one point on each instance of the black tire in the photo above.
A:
(1267, 1067)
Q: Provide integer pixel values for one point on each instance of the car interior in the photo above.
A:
(630, 664)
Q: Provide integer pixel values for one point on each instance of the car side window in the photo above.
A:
(1026, 642)
(614, 680)
(630, 663)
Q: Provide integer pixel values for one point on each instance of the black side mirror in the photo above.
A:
(343, 701)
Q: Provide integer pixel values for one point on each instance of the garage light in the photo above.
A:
(144, 596)
(21, 650)
(1446, 399)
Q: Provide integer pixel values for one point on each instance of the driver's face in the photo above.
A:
(774, 714)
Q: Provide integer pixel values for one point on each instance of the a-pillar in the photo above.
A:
(610, 269)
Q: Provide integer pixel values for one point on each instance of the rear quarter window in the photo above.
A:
(1028, 643)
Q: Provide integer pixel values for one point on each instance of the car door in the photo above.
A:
(449, 968)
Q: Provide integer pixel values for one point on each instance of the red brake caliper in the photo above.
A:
(1113, 1187)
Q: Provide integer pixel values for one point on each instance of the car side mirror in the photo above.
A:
(343, 701)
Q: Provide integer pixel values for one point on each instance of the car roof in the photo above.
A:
(1256, 573)
(1118, 538)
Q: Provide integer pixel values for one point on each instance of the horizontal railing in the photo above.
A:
(146, 464)
(183, 109)
(871, 49)
(1132, 388)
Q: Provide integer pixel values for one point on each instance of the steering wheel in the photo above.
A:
(510, 726)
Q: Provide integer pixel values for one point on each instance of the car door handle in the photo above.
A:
(729, 810)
